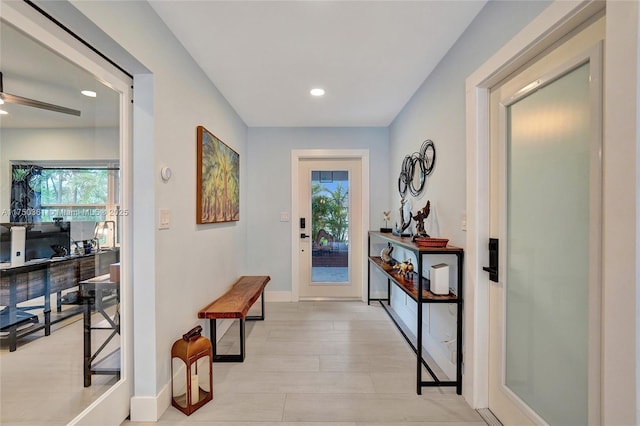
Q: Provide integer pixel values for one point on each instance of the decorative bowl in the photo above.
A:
(431, 242)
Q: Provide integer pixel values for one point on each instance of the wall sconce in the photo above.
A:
(191, 371)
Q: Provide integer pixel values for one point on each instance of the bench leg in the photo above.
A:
(214, 343)
(261, 316)
(242, 339)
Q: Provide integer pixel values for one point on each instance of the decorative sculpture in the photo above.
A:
(387, 218)
(405, 222)
(405, 269)
(386, 254)
(420, 218)
(415, 169)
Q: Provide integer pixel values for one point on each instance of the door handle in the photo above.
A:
(303, 235)
(492, 269)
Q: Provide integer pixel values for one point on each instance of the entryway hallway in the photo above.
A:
(323, 363)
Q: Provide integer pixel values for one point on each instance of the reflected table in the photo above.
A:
(36, 279)
(97, 294)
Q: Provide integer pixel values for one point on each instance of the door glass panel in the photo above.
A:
(330, 226)
(547, 281)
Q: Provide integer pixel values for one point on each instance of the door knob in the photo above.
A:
(492, 269)
(303, 235)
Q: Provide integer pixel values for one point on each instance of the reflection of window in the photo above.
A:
(80, 193)
(75, 194)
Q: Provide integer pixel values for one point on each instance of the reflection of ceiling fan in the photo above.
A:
(13, 99)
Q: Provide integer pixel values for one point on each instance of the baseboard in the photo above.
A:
(488, 417)
(277, 296)
(150, 408)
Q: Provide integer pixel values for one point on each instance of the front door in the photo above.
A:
(545, 212)
(330, 210)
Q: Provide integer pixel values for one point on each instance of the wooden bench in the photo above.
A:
(235, 304)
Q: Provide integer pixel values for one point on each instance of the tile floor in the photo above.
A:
(42, 381)
(323, 363)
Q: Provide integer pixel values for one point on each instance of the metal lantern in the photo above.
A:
(191, 371)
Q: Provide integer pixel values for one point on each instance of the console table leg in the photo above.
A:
(87, 342)
(13, 340)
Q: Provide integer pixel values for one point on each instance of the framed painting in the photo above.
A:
(218, 180)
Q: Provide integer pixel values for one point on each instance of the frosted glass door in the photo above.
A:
(548, 227)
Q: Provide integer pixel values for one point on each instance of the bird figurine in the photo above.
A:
(386, 254)
(420, 218)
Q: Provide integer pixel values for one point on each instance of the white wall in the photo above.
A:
(437, 111)
(52, 144)
(269, 189)
(176, 271)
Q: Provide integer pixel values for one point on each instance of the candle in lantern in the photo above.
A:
(195, 389)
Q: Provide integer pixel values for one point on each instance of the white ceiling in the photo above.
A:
(265, 56)
(369, 56)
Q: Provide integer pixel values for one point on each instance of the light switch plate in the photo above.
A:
(284, 216)
(165, 219)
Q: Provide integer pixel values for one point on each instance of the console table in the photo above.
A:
(418, 288)
(31, 281)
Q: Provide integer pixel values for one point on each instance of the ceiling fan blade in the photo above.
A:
(13, 99)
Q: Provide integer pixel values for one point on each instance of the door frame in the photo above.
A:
(323, 154)
(555, 22)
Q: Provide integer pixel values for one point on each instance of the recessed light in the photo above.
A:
(317, 92)
(1, 101)
(2, 112)
(89, 93)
